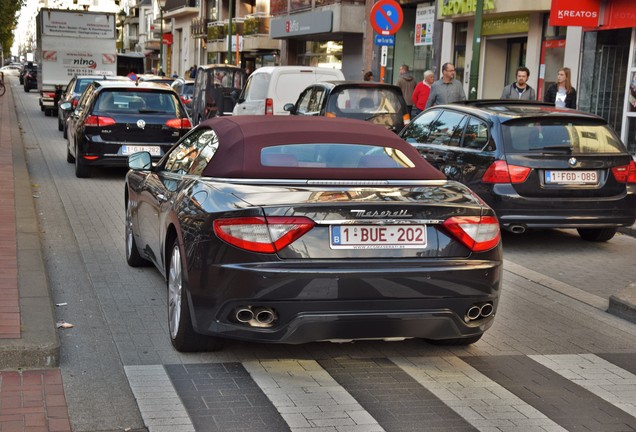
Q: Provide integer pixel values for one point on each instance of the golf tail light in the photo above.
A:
(625, 173)
(263, 235)
(179, 123)
(500, 172)
(477, 233)
(94, 120)
(269, 106)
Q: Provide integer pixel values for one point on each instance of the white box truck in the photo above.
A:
(72, 43)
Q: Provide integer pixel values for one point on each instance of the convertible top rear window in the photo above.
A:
(329, 155)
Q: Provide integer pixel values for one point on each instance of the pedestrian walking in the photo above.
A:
(175, 75)
(446, 89)
(561, 93)
(368, 76)
(406, 82)
(520, 89)
(193, 73)
(422, 92)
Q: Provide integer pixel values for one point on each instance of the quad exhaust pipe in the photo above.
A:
(256, 317)
(476, 312)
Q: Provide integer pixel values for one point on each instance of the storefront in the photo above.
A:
(329, 35)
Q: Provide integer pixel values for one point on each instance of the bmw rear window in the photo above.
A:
(550, 136)
(330, 155)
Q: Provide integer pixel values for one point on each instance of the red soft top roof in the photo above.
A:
(241, 139)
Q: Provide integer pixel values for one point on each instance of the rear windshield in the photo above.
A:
(136, 102)
(365, 100)
(570, 137)
(334, 156)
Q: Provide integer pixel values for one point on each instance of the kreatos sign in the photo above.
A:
(579, 13)
(461, 7)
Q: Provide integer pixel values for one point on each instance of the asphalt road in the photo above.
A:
(554, 360)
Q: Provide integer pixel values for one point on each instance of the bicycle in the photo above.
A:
(2, 87)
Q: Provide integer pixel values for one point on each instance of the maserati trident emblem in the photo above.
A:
(572, 161)
(141, 124)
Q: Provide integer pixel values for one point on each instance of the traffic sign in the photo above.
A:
(386, 17)
(384, 40)
(384, 54)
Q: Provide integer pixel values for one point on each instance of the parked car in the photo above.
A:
(213, 88)
(269, 88)
(10, 69)
(30, 79)
(185, 90)
(378, 103)
(268, 229)
(536, 165)
(72, 93)
(114, 119)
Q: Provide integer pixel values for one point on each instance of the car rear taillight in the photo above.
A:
(263, 235)
(269, 106)
(94, 120)
(50, 95)
(625, 173)
(477, 233)
(500, 172)
(179, 123)
(330, 114)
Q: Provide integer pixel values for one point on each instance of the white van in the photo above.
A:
(269, 88)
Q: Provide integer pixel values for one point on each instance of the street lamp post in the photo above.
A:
(161, 4)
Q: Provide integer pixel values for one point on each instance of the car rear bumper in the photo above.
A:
(513, 209)
(341, 303)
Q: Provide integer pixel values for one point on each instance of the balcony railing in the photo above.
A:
(256, 25)
(217, 30)
(199, 27)
(279, 7)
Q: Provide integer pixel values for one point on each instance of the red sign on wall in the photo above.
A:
(167, 39)
(578, 13)
(620, 14)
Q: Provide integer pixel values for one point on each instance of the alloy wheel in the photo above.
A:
(174, 292)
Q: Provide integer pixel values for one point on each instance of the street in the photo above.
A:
(554, 359)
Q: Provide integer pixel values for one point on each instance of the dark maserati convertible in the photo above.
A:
(292, 230)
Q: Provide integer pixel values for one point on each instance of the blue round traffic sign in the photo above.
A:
(386, 17)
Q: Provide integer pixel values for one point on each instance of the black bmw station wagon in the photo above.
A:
(536, 165)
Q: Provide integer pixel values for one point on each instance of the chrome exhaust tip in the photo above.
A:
(244, 315)
(486, 310)
(517, 229)
(264, 315)
(473, 313)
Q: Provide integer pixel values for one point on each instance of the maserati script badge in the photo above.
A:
(141, 124)
(572, 161)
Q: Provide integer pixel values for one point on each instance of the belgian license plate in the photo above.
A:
(377, 236)
(571, 177)
(131, 149)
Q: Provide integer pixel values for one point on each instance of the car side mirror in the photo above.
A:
(290, 108)
(66, 106)
(140, 161)
(235, 95)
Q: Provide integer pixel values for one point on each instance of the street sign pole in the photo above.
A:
(386, 19)
(473, 82)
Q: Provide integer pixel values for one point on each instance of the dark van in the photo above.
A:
(213, 88)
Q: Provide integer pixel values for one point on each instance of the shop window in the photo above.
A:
(459, 60)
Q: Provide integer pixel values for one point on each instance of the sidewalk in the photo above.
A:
(31, 390)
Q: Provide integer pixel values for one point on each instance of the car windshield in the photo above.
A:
(256, 88)
(364, 101)
(330, 155)
(136, 101)
(548, 137)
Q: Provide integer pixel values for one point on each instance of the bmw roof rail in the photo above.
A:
(492, 102)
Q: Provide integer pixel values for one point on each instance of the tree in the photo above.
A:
(8, 21)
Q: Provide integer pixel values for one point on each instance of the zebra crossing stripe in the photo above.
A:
(607, 381)
(159, 404)
(307, 397)
(482, 402)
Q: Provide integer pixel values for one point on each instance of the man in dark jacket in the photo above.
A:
(406, 82)
(520, 90)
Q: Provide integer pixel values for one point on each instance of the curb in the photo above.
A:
(623, 303)
(38, 345)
